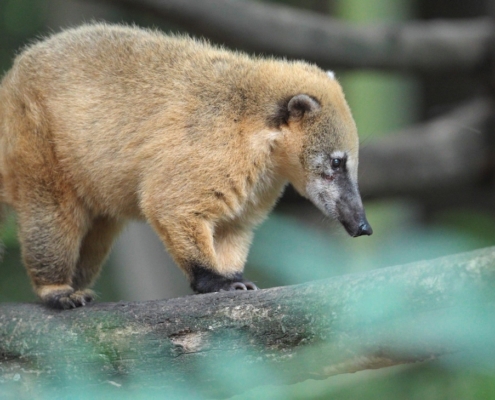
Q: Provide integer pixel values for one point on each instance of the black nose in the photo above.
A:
(364, 229)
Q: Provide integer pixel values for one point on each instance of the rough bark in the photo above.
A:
(276, 29)
(224, 343)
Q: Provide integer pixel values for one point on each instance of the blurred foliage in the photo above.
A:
(306, 252)
(431, 382)
(423, 382)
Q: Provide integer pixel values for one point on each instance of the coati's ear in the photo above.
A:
(302, 104)
(294, 109)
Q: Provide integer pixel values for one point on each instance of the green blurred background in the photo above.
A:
(297, 244)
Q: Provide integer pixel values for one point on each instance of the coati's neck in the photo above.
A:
(272, 84)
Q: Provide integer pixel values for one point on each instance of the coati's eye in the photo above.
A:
(336, 163)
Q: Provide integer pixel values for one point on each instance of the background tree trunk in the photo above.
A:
(428, 47)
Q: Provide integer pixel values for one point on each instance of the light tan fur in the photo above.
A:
(102, 124)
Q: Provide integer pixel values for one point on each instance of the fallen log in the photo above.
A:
(224, 343)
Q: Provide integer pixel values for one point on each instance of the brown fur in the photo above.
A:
(102, 124)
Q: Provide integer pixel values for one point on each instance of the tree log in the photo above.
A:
(224, 343)
(426, 47)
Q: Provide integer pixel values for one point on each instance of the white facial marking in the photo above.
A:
(338, 154)
(323, 195)
(331, 74)
(351, 164)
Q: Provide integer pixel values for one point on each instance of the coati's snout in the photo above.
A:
(364, 228)
(334, 190)
(350, 213)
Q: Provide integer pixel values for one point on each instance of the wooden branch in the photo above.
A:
(427, 47)
(444, 154)
(224, 343)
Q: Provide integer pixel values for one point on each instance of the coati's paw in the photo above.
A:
(206, 281)
(65, 301)
(64, 297)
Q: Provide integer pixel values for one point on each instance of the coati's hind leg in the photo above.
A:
(94, 250)
(50, 232)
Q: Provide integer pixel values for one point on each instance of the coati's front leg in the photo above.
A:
(212, 262)
(231, 243)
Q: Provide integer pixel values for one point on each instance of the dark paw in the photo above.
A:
(205, 280)
(67, 298)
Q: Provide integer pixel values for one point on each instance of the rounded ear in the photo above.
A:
(302, 104)
(293, 108)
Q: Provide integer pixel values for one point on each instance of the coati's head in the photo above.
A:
(320, 147)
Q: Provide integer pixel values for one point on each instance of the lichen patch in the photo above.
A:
(190, 342)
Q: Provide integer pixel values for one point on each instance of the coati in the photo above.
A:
(101, 124)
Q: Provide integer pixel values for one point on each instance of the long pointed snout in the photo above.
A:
(351, 213)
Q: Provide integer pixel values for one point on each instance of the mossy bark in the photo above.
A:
(223, 343)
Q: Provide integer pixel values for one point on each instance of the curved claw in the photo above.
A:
(238, 286)
(251, 286)
(204, 280)
(243, 286)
